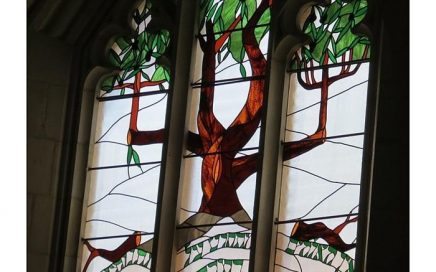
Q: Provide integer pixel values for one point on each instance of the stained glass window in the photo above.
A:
(323, 143)
(220, 162)
(323, 135)
(124, 172)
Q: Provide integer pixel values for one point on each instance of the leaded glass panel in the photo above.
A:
(220, 161)
(124, 170)
(323, 143)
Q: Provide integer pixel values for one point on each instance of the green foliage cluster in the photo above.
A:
(330, 31)
(139, 54)
(222, 13)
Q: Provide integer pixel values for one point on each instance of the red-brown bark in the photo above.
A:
(218, 181)
(130, 243)
(305, 232)
(135, 137)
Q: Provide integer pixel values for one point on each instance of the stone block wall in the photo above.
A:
(48, 71)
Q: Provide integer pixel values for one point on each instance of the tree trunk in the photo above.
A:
(220, 197)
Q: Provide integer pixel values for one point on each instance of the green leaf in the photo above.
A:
(360, 14)
(358, 51)
(361, 11)
(217, 14)
(114, 59)
(306, 54)
(333, 43)
(313, 31)
(211, 12)
(354, 42)
(332, 12)
(243, 10)
(155, 40)
(204, 8)
(228, 13)
(166, 75)
(108, 84)
(331, 56)
(345, 31)
(320, 48)
(132, 74)
(143, 40)
(226, 55)
(159, 74)
(136, 157)
(346, 9)
(242, 70)
(345, 43)
(251, 7)
(340, 24)
(321, 33)
(123, 90)
(364, 40)
(236, 48)
(128, 60)
(142, 55)
(129, 154)
(260, 32)
(122, 43)
(356, 6)
(342, 51)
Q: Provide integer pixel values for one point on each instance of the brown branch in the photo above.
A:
(296, 148)
(347, 221)
(243, 167)
(135, 103)
(343, 66)
(194, 143)
(143, 84)
(135, 137)
(306, 73)
(219, 43)
(247, 121)
(151, 83)
(347, 74)
(137, 85)
(202, 42)
(306, 232)
(305, 84)
(113, 255)
(122, 86)
(350, 58)
(312, 72)
(209, 128)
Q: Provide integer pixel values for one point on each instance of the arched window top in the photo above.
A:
(323, 134)
(226, 143)
(124, 173)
